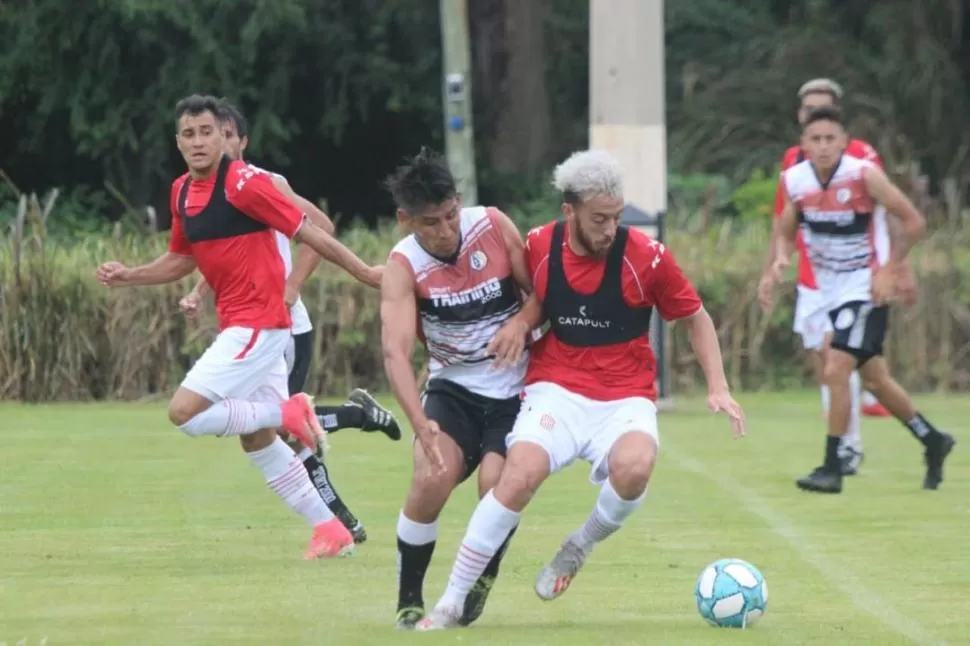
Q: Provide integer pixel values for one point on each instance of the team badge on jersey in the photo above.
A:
(843, 195)
(478, 260)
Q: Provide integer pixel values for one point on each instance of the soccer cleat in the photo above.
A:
(876, 410)
(300, 421)
(376, 417)
(475, 601)
(330, 539)
(555, 578)
(850, 461)
(408, 617)
(934, 457)
(821, 480)
(441, 618)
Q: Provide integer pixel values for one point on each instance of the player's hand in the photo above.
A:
(779, 267)
(191, 305)
(508, 344)
(428, 433)
(290, 295)
(906, 286)
(113, 274)
(884, 283)
(722, 402)
(766, 293)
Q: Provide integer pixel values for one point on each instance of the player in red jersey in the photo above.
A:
(590, 387)
(811, 323)
(224, 214)
(832, 198)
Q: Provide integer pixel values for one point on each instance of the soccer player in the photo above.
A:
(811, 322)
(833, 198)
(452, 282)
(361, 410)
(590, 385)
(223, 217)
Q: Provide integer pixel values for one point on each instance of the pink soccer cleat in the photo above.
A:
(329, 540)
(300, 421)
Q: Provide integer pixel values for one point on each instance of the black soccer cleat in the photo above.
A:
(376, 417)
(821, 480)
(475, 601)
(851, 461)
(408, 617)
(934, 457)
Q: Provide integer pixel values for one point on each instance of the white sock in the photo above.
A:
(286, 476)
(234, 417)
(304, 454)
(487, 530)
(607, 517)
(868, 399)
(825, 399)
(414, 533)
(853, 438)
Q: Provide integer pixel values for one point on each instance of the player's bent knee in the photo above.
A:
(526, 467)
(184, 406)
(837, 370)
(630, 463)
(257, 441)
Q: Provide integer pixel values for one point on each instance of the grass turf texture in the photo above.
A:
(116, 529)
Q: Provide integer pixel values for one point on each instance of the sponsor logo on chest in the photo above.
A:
(443, 297)
(583, 320)
(840, 218)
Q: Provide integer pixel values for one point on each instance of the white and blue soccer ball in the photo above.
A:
(731, 593)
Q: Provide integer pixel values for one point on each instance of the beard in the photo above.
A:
(588, 246)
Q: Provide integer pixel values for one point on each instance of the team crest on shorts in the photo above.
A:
(547, 422)
(478, 260)
(843, 195)
(845, 319)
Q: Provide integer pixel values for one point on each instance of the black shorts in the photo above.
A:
(859, 328)
(477, 424)
(300, 368)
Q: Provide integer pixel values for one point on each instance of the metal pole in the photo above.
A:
(457, 97)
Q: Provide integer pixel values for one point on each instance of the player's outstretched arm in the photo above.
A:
(707, 349)
(306, 259)
(912, 224)
(167, 268)
(333, 250)
(399, 334)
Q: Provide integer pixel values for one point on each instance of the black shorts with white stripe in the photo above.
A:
(860, 329)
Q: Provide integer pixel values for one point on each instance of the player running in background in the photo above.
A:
(223, 217)
(816, 330)
(833, 197)
(452, 282)
(361, 410)
(590, 386)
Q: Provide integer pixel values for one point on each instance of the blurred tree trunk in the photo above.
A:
(515, 123)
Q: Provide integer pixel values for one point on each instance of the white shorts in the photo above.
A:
(242, 363)
(570, 426)
(811, 318)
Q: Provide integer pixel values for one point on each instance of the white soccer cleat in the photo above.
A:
(441, 618)
(555, 578)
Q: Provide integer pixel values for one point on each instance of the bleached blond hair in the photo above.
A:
(588, 173)
(827, 86)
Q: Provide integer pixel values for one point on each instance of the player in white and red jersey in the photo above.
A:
(590, 387)
(361, 409)
(452, 283)
(832, 199)
(816, 331)
(224, 214)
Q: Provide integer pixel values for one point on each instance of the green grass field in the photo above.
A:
(116, 529)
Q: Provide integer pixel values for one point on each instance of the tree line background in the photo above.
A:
(339, 91)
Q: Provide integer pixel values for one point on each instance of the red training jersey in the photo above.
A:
(857, 148)
(244, 270)
(650, 277)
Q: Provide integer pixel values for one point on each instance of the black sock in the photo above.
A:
(335, 418)
(491, 570)
(413, 561)
(832, 453)
(321, 480)
(922, 430)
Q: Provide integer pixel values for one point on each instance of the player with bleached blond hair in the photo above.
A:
(590, 384)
